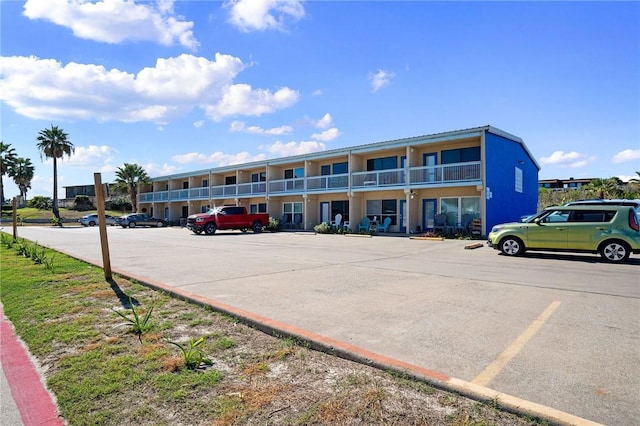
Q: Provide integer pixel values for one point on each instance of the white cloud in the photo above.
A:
(327, 135)
(241, 99)
(198, 124)
(217, 158)
(380, 79)
(115, 21)
(627, 155)
(153, 169)
(571, 159)
(260, 15)
(239, 126)
(281, 149)
(45, 89)
(324, 122)
(91, 156)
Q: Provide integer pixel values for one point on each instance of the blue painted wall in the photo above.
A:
(506, 205)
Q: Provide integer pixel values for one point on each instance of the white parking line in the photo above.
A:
(492, 370)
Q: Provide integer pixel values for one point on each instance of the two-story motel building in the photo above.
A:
(478, 173)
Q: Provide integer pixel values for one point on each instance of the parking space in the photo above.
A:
(558, 330)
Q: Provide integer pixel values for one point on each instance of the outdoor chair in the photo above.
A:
(441, 223)
(465, 225)
(364, 226)
(285, 221)
(337, 222)
(297, 220)
(385, 225)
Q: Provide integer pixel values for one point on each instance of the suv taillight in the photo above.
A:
(633, 220)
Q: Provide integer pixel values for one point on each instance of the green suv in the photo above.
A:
(612, 231)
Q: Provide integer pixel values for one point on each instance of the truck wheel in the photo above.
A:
(257, 227)
(159, 224)
(210, 228)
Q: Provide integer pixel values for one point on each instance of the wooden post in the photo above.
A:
(14, 218)
(102, 225)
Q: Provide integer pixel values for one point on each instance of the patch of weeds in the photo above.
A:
(228, 409)
(223, 343)
(137, 325)
(355, 380)
(193, 354)
(257, 368)
(200, 321)
(186, 316)
(167, 383)
(418, 385)
(287, 348)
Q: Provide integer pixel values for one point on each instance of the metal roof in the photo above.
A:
(375, 146)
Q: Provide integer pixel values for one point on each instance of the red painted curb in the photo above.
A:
(34, 402)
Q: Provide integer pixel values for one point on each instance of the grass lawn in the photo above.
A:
(107, 368)
(29, 213)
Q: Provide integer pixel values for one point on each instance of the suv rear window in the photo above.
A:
(593, 216)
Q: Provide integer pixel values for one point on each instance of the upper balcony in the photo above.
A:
(459, 173)
(425, 176)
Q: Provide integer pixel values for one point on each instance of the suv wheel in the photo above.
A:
(511, 246)
(614, 251)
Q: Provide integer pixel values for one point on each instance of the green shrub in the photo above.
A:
(121, 203)
(274, 225)
(41, 203)
(322, 228)
(82, 203)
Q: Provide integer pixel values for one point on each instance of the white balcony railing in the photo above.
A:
(199, 193)
(328, 182)
(286, 185)
(413, 176)
(378, 178)
(446, 173)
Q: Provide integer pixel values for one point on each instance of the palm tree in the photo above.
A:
(635, 179)
(22, 174)
(54, 144)
(7, 159)
(127, 179)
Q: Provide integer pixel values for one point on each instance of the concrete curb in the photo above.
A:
(344, 350)
(33, 400)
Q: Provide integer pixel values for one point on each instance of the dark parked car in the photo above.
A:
(139, 219)
(92, 220)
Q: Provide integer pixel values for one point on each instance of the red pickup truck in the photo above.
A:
(227, 217)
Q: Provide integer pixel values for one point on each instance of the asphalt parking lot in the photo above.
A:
(558, 330)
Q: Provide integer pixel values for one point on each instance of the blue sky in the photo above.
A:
(188, 85)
